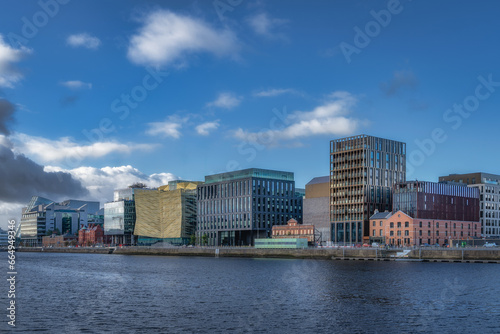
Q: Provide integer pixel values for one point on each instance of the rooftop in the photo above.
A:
(250, 172)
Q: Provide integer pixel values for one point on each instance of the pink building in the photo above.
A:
(400, 229)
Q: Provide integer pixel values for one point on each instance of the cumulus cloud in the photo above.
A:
(226, 100)
(76, 84)
(9, 74)
(48, 150)
(83, 40)
(275, 92)
(204, 129)
(266, 26)
(169, 128)
(101, 182)
(167, 38)
(401, 80)
(330, 118)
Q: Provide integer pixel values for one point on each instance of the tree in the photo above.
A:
(138, 185)
(193, 239)
(204, 239)
(57, 232)
(49, 232)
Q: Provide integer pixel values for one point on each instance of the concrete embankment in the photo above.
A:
(433, 254)
(66, 250)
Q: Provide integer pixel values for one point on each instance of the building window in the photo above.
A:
(407, 233)
(429, 224)
(391, 233)
(380, 233)
(392, 225)
(420, 224)
(437, 225)
(399, 224)
(374, 224)
(407, 224)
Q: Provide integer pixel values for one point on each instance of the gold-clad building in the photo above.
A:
(167, 215)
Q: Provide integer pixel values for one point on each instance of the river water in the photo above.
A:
(94, 293)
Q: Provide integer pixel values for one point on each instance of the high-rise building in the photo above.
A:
(167, 215)
(363, 170)
(237, 207)
(489, 199)
(43, 215)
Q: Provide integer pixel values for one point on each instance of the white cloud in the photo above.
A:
(170, 128)
(205, 128)
(226, 100)
(101, 182)
(84, 40)
(275, 92)
(263, 25)
(167, 38)
(47, 150)
(330, 118)
(76, 84)
(9, 75)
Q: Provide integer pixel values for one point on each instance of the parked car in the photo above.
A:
(488, 244)
(375, 244)
(425, 245)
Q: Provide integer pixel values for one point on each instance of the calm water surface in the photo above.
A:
(90, 293)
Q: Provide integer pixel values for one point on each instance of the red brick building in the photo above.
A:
(58, 240)
(294, 230)
(400, 229)
(91, 235)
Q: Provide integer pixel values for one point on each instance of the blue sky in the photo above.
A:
(258, 84)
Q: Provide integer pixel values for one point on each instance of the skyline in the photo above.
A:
(154, 91)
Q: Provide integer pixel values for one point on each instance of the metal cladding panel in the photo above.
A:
(147, 208)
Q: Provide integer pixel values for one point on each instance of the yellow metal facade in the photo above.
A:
(166, 213)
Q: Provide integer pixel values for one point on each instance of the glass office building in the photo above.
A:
(237, 207)
(363, 170)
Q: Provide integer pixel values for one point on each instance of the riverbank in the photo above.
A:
(373, 254)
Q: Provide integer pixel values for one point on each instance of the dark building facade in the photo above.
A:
(441, 201)
(363, 170)
(235, 208)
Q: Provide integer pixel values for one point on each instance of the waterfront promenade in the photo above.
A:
(369, 254)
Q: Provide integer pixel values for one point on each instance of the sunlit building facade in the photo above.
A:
(167, 215)
(363, 170)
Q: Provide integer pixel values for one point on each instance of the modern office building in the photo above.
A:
(431, 200)
(235, 208)
(489, 199)
(167, 215)
(120, 216)
(363, 170)
(317, 207)
(43, 215)
(399, 229)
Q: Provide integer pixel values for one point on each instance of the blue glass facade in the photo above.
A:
(237, 207)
